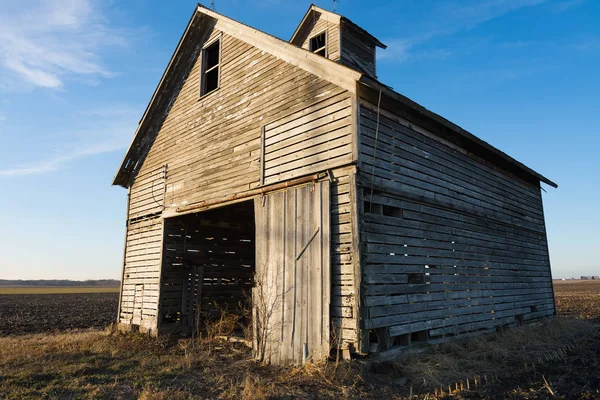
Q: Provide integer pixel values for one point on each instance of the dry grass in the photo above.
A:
(492, 356)
(104, 364)
(556, 357)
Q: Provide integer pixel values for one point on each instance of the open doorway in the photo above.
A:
(208, 268)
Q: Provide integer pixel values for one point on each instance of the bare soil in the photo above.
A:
(578, 299)
(34, 313)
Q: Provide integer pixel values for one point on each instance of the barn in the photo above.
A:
(281, 180)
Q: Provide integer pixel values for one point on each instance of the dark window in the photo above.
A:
(210, 68)
(318, 44)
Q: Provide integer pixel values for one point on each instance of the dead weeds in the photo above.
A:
(107, 365)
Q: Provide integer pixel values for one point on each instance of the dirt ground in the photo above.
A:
(554, 358)
(578, 299)
(34, 313)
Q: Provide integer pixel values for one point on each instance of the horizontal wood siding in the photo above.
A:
(356, 52)
(141, 277)
(317, 25)
(452, 244)
(148, 193)
(143, 247)
(309, 141)
(212, 145)
(343, 300)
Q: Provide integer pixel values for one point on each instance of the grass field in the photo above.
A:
(554, 358)
(56, 290)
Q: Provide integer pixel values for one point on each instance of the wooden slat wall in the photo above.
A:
(148, 193)
(452, 244)
(356, 52)
(139, 297)
(320, 24)
(143, 247)
(343, 302)
(308, 141)
(212, 145)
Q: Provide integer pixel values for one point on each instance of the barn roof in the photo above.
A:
(322, 67)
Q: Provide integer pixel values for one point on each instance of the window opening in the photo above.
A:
(318, 44)
(210, 67)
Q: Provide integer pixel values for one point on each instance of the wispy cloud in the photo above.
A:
(445, 19)
(2, 117)
(53, 164)
(46, 41)
(104, 131)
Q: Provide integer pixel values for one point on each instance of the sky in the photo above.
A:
(76, 76)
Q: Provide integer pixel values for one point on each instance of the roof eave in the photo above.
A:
(119, 179)
(340, 18)
(375, 41)
(455, 128)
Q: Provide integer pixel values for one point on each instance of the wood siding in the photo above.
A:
(452, 245)
(141, 277)
(343, 262)
(291, 297)
(308, 141)
(143, 248)
(356, 52)
(212, 145)
(317, 24)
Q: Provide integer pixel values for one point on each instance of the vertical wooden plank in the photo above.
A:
(271, 278)
(356, 202)
(160, 275)
(325, 225)
(262, 155)
(279, 271)
(288, 281)
(260, 216)
(314, 267)
(300, 283)
(297, 335)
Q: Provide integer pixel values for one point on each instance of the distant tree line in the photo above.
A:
(59, 282)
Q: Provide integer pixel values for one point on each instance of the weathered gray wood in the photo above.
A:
(474, 236)
(293, 287)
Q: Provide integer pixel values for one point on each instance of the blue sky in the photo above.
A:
(75, 77)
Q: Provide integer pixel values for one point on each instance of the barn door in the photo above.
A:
(292, 282)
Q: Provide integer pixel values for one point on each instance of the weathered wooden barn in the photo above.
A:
(284, 178)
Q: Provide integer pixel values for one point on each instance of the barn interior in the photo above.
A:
(208, 268)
